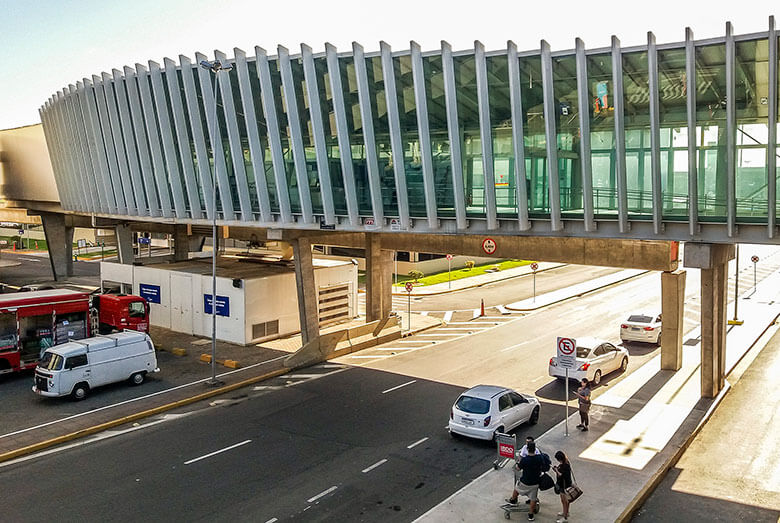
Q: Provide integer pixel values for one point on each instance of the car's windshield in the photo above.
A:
(137, 309)
(582, 352)
(50, 361)
(473, 405)
(640, 318)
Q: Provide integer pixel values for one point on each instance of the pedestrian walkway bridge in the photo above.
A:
(660, 141)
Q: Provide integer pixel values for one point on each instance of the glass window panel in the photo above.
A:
(355, 131)
(188, 119)
(468, 120)
(711, 131)
(568, 134)
(407, 112)
(331, 136)
(243, 136)
(376, 90)
(602, 134)
(270, 181)
(440, 140)
(636, 114)
(501, 124)
(532, 99)
(307, 137)
(284, 136)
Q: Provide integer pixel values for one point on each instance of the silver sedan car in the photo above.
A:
(642, 327)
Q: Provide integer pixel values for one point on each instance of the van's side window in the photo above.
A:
(76, 361)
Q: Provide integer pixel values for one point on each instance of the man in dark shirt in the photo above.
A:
(528, 482)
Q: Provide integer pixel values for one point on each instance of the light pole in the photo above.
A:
(215, 67)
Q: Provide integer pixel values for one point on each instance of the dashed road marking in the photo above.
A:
(220, 451)
(399, 386)
(417, 443)
(321, 494)
(375, 465)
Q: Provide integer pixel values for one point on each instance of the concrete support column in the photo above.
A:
(672, 311)
(184, 242)
(59, 239)
(379, 270)
(308, 312)
(713, 261)
(124, 244)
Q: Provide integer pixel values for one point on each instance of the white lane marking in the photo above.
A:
(502, 309)
(306, 376)
(220, 451)
(132, 400)
(461, 323)
(324, 493)
(375, 356)
(272, 520)
(375, 465)
(476, 313)
(423, 313)
(417, 443)
(511, 347)
(447, 316)
(393, 348)
(433, 335)
(333, 366)
(410, 341)
(399, 386)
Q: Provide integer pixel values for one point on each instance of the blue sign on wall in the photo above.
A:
(223, 305)
(150, 293)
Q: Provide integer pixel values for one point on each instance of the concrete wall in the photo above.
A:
(25, 167)
(269, 299)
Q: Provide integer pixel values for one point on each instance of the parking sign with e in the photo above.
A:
(567, 353)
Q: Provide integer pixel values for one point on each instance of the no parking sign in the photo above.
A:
(566, 353)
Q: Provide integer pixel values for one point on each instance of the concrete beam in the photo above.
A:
(707, 255)
(672, 312)
(308, 311)
(124, 244)
(59, 238)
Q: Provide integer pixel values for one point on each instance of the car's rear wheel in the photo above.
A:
(137, 378)
(658, 339)
(534, 416)
(597, 377)
(80, 391)
(624, 364)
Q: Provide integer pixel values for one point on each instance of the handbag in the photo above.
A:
(546, 482)
(573, 492)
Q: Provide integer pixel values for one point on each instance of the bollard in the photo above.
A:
(482, 308)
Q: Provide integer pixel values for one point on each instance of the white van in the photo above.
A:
(76, 367)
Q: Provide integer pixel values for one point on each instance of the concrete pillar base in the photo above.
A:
(124, 244)
(59, 239)
(308, 311)
(672, 312)
(379, 271)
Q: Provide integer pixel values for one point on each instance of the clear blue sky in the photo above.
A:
(48, 44)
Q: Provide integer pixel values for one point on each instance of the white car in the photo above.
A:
(642, 327)
(484, 410)
(595, 358)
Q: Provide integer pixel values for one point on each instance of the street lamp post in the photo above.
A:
(215, 67)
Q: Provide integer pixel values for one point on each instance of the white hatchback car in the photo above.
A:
(595, 358)
(484, 410)
(642, 327)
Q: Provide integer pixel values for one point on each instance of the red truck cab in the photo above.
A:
(121, 311)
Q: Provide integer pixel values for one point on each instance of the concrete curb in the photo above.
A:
(137, 416)
(656, 479)
(473, 286)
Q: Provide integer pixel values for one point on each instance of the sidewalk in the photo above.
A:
(475, 281)
(638, 426)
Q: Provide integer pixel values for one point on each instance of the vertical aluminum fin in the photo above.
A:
(771, 164)
(486, 135)
(418, 76)
(253, 135)
(655, 133)
(274, 139)
(518, 145)
(129, 141)
(369, 140)
(342, 132)
(551, 139)
(84, 148)
(620, 136)
(82, 162)
(108, 139)
(97, 160)
(182, 138)
(690, 90)
(583, 100)
(296, 138)
(119, 148)
(234, 140)
(318, 131)
(731, 132)
(453, 132)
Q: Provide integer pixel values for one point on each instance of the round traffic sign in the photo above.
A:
(566, 346)
(449, 256)
(754, 259)
(409, 286)
(534, 266)
(489, 245)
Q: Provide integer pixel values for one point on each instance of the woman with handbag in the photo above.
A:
(563, 481)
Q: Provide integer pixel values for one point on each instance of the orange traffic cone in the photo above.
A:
(482, 308)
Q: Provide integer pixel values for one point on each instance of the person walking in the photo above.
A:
(562, 482)
(528, 483)
(583, 396)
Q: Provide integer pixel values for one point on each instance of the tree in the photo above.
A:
(416, 275)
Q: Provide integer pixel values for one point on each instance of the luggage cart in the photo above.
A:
(506, 445)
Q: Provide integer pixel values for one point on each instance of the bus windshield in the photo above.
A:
(51, 361)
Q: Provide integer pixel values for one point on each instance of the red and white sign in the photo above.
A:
(449, 257)
(489, 245)
(506, 450)
(754, 259)
(567, 357)
(534, 266)
(409, 286)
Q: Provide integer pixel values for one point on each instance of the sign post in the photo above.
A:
(409, 286)
(754, 259)
(449, 272)
(534, 267)
(567, 358)
(736, 320)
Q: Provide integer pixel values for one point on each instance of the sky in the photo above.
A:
(49, 44)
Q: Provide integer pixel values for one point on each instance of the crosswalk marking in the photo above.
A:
(447, 316)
